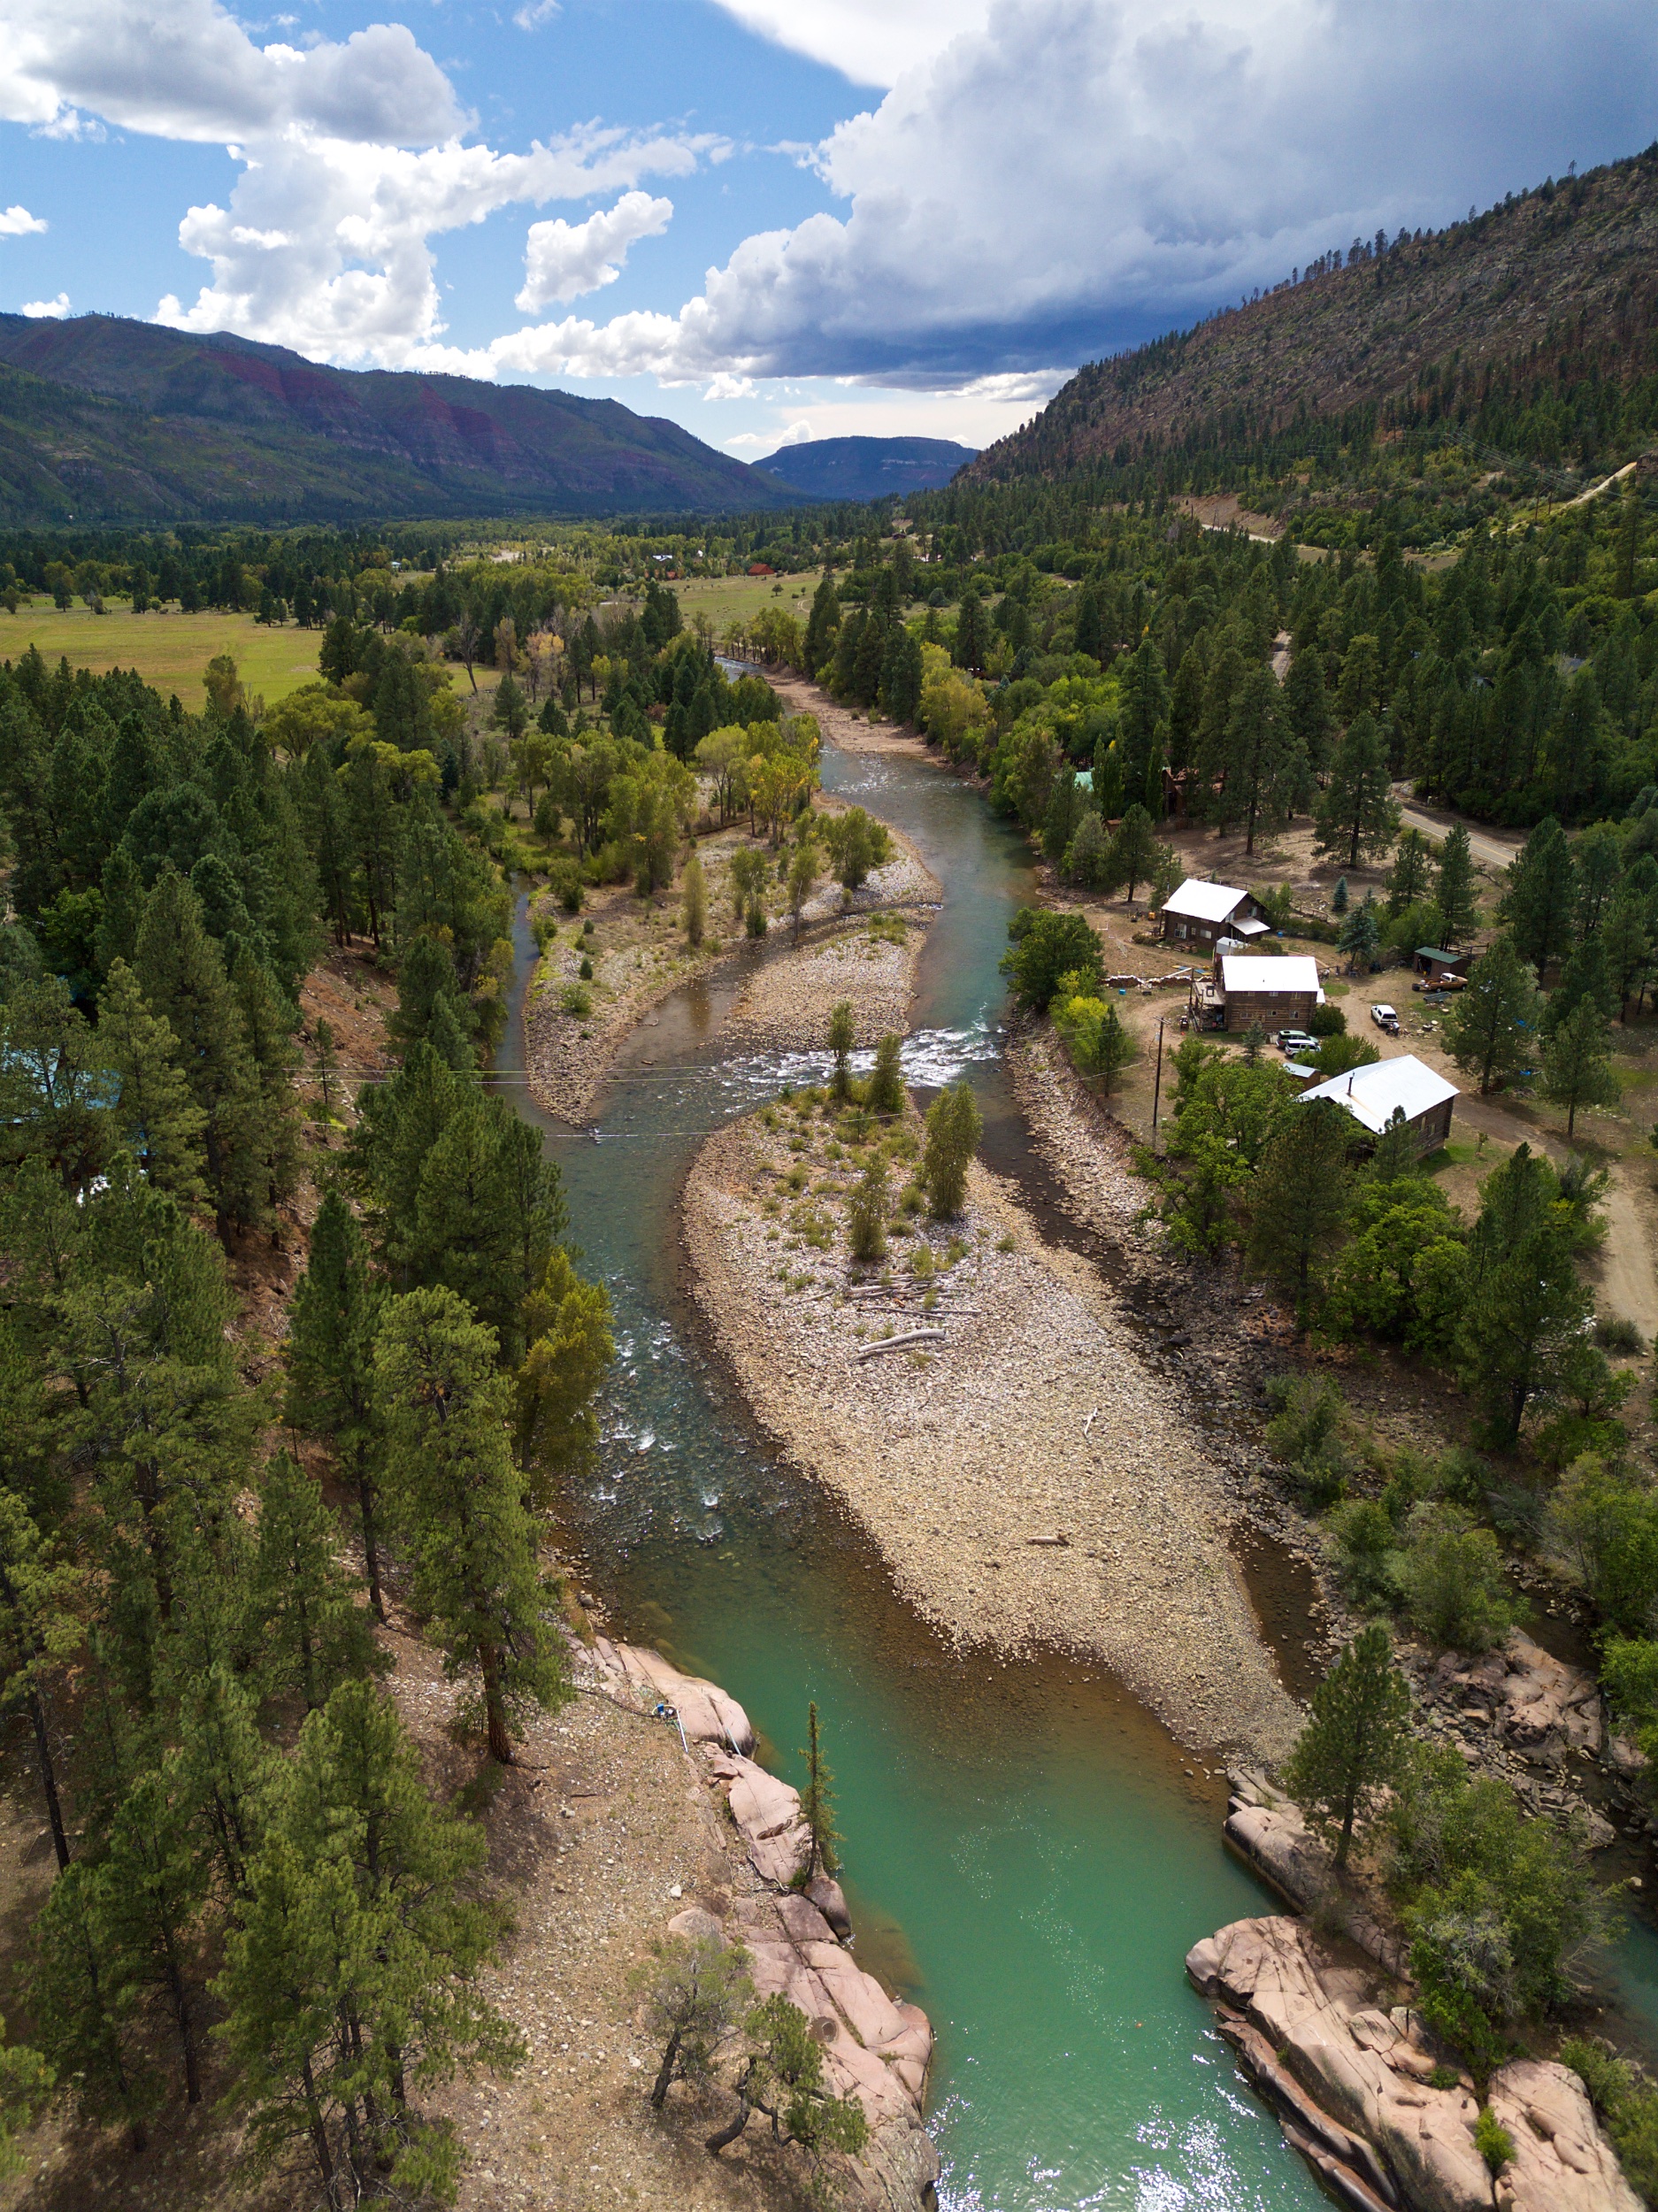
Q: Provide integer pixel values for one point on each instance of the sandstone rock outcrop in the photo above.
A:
(703, 1709)
(1354, 2088)
(1534, 1700)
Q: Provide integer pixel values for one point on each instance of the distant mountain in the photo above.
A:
(1528, 335)
(864, 468)
(103, 419)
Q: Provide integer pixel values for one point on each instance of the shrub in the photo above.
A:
(564, 881)
(585, 970)
(1626, 2100)
(1326, 1021)
(1621, 1338)
(1451, 1579)
(866, 1213)
(1492, 2140)
(576, 999)
(1365, 1539)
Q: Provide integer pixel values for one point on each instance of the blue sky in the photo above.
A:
(767, 219)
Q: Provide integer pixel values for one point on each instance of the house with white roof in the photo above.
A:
(1373, 1095)
(1258, 991)
(1200, 913)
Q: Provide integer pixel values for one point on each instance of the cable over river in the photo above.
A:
(1028, 1853)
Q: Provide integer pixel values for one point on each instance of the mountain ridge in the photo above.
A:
(103, 419)
(1536, 319)
(864, 468)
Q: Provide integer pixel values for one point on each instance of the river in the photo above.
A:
(1028, 1853)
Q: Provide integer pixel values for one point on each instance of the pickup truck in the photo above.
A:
(1384, 1017)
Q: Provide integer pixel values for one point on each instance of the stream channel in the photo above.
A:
(1028, 1854)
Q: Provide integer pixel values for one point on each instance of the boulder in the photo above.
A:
(704, 1710)
(1624, 1756)
(1544, 1702)
(700, 1926)
(1276, 1841)
(1368, 2078)
(830, 1899)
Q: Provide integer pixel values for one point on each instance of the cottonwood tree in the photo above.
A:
(866, 1213)
(842, 1037)
(693, 901)
(457, 1504)
(1352, 1747)
(953, 1127)
(887, 1078)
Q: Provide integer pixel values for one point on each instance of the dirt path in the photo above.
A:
(1492, 847)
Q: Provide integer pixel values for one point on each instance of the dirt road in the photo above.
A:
(1493, 848)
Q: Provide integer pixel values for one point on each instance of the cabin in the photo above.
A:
(1437, 965)
(1375, 1094)
(1202, 913)
(1258, 992)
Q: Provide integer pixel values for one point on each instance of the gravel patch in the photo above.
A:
(1030, 1480)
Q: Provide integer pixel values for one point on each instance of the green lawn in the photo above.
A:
(169, 651)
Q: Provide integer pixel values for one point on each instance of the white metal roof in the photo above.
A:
(1294, 973)
(1251, 929)
(1204, 901)
(1372, 1094)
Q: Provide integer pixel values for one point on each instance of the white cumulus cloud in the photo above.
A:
(1077, 173)
(47, 311)
(562, 260)
(17, 222)
(870, 41)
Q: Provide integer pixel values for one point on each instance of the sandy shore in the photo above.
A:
(1030, 1480)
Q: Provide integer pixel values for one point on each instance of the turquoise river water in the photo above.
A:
(1028, 1855)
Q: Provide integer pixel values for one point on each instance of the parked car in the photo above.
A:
(1384, 1017)
(1295, 1044)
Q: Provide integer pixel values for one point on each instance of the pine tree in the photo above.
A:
(431, 1006)
(821, 625)
(817, 1802)
(95, 2044)
(1261, 769)
(1353, 1747)
(1134, 851)
(1356, 812)
(1626, 937)
(332, 1317)
(1396, 1151)
(350, 1979)
(1408, 879)
(457, 1502)
(1627, 544)
(1361, 935)
(1541, 892)
(157, 1878)
(155, 1112)
(181, 974)
(1577, 1065)
(953, 1127)
(39, 1630)
(1299, 1197)
(972, 633)
(1526, 1311)
(228, 1769)
(1491, 1028)
(122, 912)
(1307, 708)
(1454, 890)
(304, 1620)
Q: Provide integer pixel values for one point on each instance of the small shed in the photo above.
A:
(1433, 962)
(1199, 913)
(1374, 1094)
(1259, 992)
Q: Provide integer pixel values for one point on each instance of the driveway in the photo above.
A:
(1493, 848)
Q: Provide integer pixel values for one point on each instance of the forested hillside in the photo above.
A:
(1388, 385)
(105, 419)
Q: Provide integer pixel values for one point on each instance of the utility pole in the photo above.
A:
(1157, 1088)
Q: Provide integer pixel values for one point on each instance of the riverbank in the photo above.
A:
(638, 957)
(1027, 1478)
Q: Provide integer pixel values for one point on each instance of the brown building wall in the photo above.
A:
(1269, 1010)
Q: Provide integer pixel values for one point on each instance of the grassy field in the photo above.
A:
(724, 599)
(168, 650)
